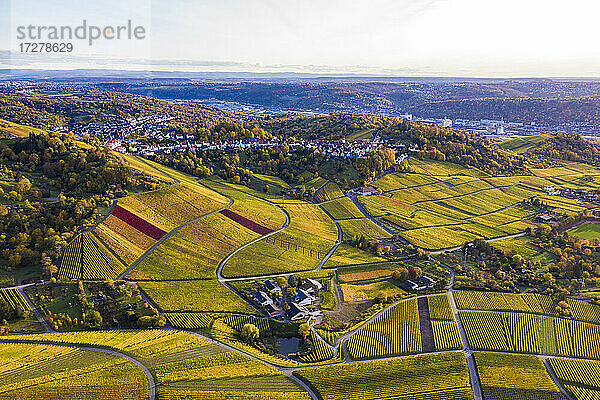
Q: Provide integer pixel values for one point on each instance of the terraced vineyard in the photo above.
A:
(14, 299)
(505, 376)
(440, 376)
(49, 372)
(522, 333)
(533, 303)
(87, 258)
(393, 333)
(580, 378)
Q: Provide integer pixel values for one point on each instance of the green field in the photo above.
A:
(589, 230)
(196, 296)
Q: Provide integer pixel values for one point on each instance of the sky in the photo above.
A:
(471, 38)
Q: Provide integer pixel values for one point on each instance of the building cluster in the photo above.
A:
(422, 283)
(277, 302)
(575, 194)
(168, 144)
(120, 130)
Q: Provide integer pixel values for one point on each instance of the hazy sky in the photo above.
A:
(389, 37)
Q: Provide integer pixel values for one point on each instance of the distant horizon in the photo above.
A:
(107, 72)
(399, 38)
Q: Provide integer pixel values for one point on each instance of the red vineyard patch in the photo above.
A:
(245, 222)
(138, 223)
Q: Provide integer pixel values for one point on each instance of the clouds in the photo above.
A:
(406, 37)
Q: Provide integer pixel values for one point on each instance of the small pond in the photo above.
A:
(288, 345)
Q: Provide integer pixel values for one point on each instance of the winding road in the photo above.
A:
(149, 377)
(341, 343)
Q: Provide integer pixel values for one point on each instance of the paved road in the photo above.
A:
(475, 384)
(168, 235)
(337, 243)
(368, 216)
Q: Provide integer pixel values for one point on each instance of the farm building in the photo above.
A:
(303, 298)
(296, 312)
(366, 191)
(311, 285)
(262, 298)
(272, 286)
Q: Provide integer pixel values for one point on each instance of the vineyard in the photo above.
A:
(439, 376)
(14, 299)
(392, 333)
(189, 366)
(86, 258)
(524, 333)
(47, 372)
(342, 209)
(442, 205)
(123, 239)
(446, 335)
(169, 208)
(528, 303)
(300, 246)
(245, 222)
(327, 192)
(201, 296)
(190, 321)
(320, 352)
(511, 376)
(581, 378)
(439, 307)
(195, 251)
(533, 303)
(138, 223)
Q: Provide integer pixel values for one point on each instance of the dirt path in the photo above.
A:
(35, 310)
(427, 342)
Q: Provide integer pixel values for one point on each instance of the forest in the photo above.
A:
(50, 188)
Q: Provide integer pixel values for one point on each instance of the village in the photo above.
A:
(574, 194)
